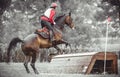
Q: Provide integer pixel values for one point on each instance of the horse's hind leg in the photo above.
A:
(34, 56)
(27, 59)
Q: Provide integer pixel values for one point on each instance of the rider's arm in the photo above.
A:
(52, 14)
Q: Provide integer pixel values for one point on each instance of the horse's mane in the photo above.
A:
(58, 17)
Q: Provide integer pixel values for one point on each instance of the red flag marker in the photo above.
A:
(109, 19)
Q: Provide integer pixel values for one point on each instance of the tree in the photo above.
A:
(4, 4)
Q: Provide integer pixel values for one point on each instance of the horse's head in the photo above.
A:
(65, 19)
(69, 21)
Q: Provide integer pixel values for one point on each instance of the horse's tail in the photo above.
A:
(12, 44)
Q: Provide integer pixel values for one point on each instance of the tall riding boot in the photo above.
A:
(51, 36)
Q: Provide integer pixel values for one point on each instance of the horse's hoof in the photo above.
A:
(36, 72)
(67, 44)
(28, 72)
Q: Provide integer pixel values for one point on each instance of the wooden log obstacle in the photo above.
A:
(86, 63)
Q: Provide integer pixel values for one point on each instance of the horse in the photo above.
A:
(31, 44)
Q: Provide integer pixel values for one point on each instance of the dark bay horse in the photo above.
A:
(33, 42)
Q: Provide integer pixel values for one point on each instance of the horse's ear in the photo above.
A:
(69, 13)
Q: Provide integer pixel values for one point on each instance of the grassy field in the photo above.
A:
(45, 70)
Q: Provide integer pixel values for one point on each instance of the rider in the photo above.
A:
(47, 19)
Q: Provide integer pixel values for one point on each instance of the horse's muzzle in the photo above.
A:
(73, 28)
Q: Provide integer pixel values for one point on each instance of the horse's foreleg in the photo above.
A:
(64, 42)
(60, 42)
(27, 59)
(58, 49)
(34, 56)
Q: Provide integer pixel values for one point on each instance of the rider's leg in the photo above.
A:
(51, 36)
(49, 26)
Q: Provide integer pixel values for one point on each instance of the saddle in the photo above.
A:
(44, 32)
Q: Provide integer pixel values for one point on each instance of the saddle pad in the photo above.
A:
(43, 34)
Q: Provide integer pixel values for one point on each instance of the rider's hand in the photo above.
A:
(54, 23)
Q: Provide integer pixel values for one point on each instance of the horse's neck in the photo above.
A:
(60, 23)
